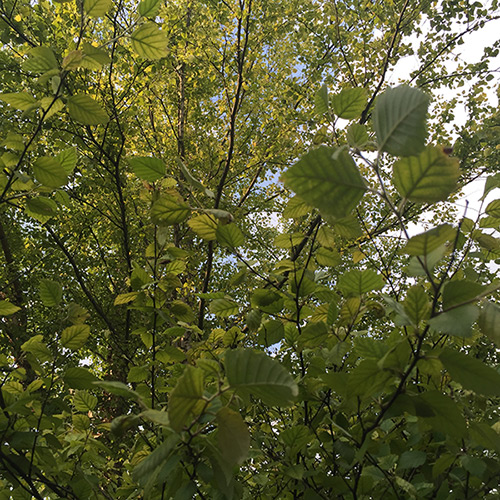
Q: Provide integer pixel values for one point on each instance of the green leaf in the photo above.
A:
(19, 100)
(266, 300)
(197, 184)
(170, 354)
(357, 135)
(118, 389)
(96, 8)
(38, 348)
(49, 172)
(175, 267)
(486, 241)
(79, 378)
(253, 320)
(356, 282)
(492, 182)
(347, 227)
(94, 57)
(253, 372)
(489, 321)
(349, 103)
(224, 307)
(474, 465)
(41, 60)
(271, 332)
(425, 243)
(7, 308)
(493, 208)
(147, 168)
(138, 374)
(328, 180)
(84, 401)
(149, 8)
(447, 418)
(229, 235)
(84, 109)
(182, 311)
(120, 425)
(72, 60)
(416, 305)
(313, 335)
(296, 438)
(471, 373)
(185, 397)
(75, 336)
(321, 104)
(328, 258)
(367, 378)
(169, 211)
(457, 322)
(160, 460)
(296, 207)
(430, 177)
(399, 120)
(41, 208)
(149, 41)
(412, 459)
(288, 240)
(204, 226)
(67, 159)
(156, 416)
(233, 437)
(459, 291)
(50, 293)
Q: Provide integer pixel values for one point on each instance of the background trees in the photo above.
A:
(153, 257)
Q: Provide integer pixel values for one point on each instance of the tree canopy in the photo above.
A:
(232, 262)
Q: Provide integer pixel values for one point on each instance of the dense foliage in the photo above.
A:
(231, 262)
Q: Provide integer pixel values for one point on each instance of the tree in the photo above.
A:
(177, 322)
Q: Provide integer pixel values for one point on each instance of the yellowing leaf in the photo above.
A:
(224, 307)
(426, 178)
(75, 336)
(168, 210)
(125, 298)
(96, 8)
(149, 41)
(94, 57)
(7, 308)
(84, 109)
(49, 172)
(19, 100)
(204, 226)
(185, 397)
(349, 103)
